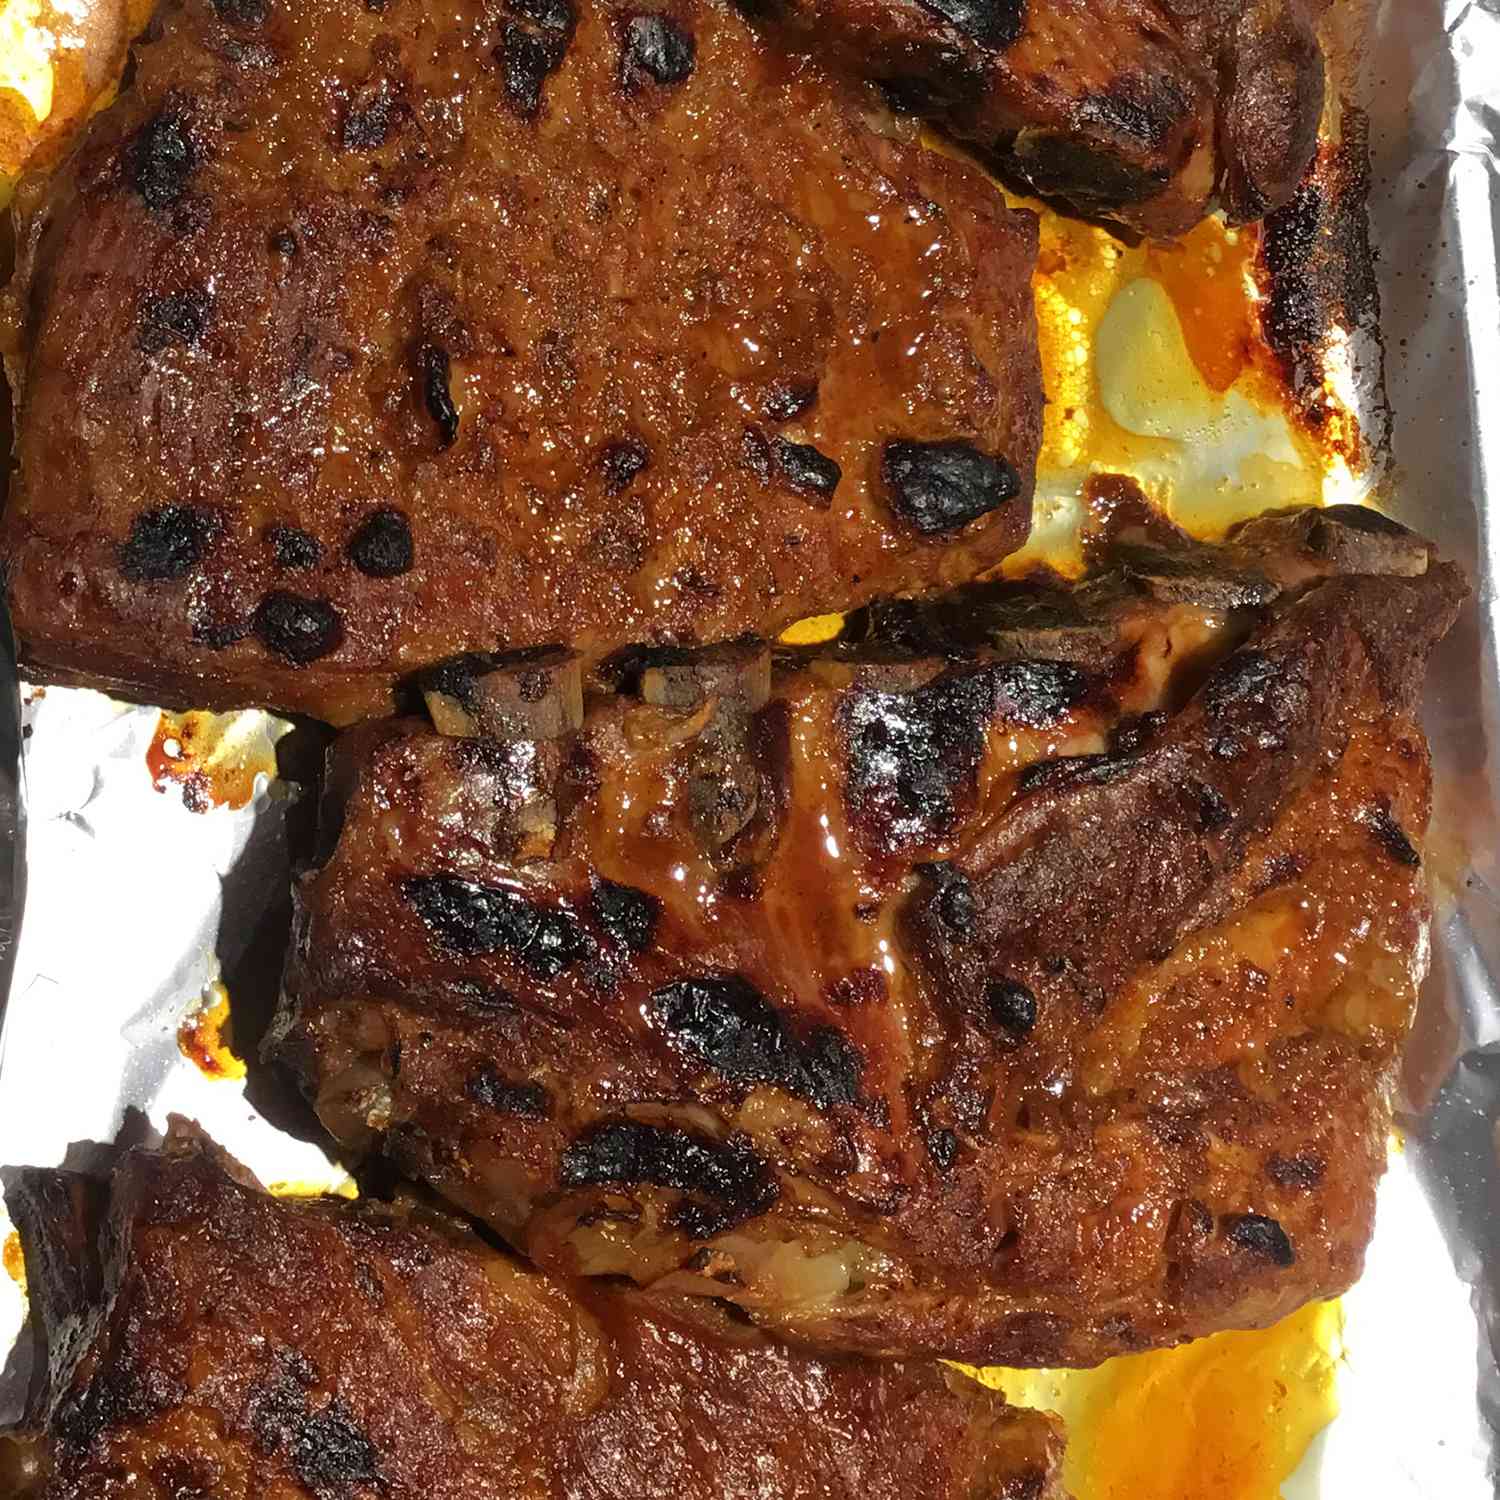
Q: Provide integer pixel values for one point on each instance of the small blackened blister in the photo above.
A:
(727, 1024)
(294, 548)
(167, 543)
(1261, 1236)
(621, 462)
(296, 628)
(383, 547)
(526, 61)
(806, 470)
(436, 373)
(658, 48)
(178, 318)
(628, 916)
(470, 918)
(161, 159)
(242, 12)
(525, 1099)
(1010, 1009)
(736, 1182)
(939, 487)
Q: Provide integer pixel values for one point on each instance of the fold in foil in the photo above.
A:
(139, 906)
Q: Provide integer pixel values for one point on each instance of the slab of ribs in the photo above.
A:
(724, 1031)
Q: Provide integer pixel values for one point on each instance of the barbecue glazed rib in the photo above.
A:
(1144, 112)
(253, 1348)
(1022, 982)
(356, 335)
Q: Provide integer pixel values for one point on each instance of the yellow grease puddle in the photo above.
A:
(213, 759)
(345, 1188)
(1224, 1418)
(13, 1260)
(206, 1039)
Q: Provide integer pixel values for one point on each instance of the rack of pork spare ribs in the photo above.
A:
(1017, 977)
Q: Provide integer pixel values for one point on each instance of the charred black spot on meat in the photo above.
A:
(1252, 700)
(1260, 1236)
(1009, 1009)
(1038, 694)
(1303, 1172)
(284, 243)
(294, 548)
(525, 63)
(736, 1183)
(469, 918)
(727, 1024)
(161, 159)
(167, 543)
(950, 79)
(528, 1100)
(436, 374)
(628, 916)
(912, 756)
(954, 903)
(115, 1397)
(1214, 812)
(806, 470)
(788, 399)
(369, 116)
(556, 16)
(938, 487)
(178, 318)
(942, 1147)
(991, 23)
(296, 628)
(326, 1447)
(1391, 837)
(656, 47)
(620, 463)
(382, 547)
(242, 12)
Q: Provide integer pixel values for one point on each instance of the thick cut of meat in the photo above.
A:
(1022, 981)
(254, 1348)
(1146, 112)
(356, 335)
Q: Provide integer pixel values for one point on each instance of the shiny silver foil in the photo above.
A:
(138, 905)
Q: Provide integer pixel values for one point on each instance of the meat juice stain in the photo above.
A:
(204, 1038)
(213, 759)
(1223, 1418)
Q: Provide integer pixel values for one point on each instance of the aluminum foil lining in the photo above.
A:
(139, 906)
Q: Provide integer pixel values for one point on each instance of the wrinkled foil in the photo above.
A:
(137, 906)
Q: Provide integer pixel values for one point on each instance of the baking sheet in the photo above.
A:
(139, 905)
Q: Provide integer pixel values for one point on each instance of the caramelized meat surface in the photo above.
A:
(1019, 979)
(356, 335)
(253, 1348)
(1145, 112)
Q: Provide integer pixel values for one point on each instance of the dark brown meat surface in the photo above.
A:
(356, 335)
(1023, 982)
(254, 1348)
(1145, 112)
